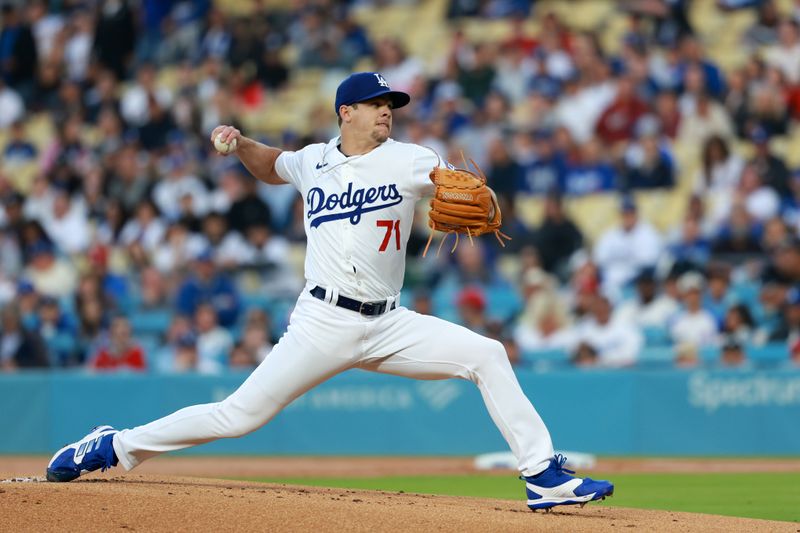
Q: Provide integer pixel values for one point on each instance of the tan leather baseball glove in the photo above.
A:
(462, 203)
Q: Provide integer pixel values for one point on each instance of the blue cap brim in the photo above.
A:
(398, 98)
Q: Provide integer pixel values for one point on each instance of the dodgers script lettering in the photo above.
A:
(350, 204)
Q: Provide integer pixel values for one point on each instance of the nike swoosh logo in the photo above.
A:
(320, 165)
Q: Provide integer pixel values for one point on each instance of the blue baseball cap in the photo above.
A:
(362, 86)
(627, 203)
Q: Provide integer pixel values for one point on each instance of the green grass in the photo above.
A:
(760, 495)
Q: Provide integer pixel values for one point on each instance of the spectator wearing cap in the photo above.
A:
(616, 343)
(471, 304)
(536, 110)
(649, 308)
(186, 355)
(207, 285)
(113, 285)
(624, 250)
(27, 301)
(693, 324)
(50, 275)
(118, 350)
(19, 347)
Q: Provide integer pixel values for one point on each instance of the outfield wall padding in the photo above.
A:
(627, 412)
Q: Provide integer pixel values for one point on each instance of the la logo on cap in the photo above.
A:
(382, 81)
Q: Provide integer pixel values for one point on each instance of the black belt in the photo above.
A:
(365, 308)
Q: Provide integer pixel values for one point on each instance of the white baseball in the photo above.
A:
(223, 147)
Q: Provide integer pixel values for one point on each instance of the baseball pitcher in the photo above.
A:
(359, 192)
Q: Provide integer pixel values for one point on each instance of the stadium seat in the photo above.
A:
(771, 353)
(657, 354)
(655, 336)
(533, 357)
(150, 322)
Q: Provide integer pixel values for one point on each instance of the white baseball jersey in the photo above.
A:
(359, 211)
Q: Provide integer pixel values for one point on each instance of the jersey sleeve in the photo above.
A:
(425, 160)
(289, 166)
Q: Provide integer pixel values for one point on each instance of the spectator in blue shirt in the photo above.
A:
(206, 285)
(647, 166)
(544, 170)
(591, 173)
(18, 150)
(692, 54)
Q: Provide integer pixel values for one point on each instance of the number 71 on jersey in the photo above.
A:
(390, 225)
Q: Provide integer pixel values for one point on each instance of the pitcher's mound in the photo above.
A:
(160, 503)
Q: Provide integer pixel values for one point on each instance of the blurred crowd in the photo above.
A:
(126, 242)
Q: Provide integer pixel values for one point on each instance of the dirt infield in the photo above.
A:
(157, 497)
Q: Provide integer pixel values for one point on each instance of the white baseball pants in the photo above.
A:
(323, 340)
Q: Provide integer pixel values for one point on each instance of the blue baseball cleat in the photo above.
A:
(555, 486)
(87, 455)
